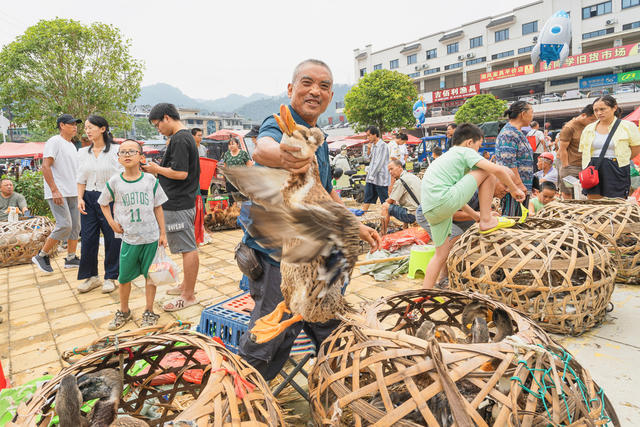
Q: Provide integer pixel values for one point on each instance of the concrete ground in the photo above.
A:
(44, 316)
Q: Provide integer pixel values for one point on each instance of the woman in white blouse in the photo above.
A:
(97, 163)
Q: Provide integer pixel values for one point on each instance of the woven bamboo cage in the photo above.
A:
(552, 271)
(22, 240)
(375, 371)
(614, 222)
(203, 383)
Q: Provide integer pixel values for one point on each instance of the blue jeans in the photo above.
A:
(91, 225)
(401, 214)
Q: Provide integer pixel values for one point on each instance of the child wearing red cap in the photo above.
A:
(546, 171)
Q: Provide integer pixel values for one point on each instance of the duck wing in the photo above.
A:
(260, 184)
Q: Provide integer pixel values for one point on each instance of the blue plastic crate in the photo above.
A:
(216, 321)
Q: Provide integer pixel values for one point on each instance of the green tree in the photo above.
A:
(382, 98)
(61, 66)
(31, 186)
(480, 109)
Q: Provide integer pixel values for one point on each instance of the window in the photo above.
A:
(452, 48)
(561, 82)
(598, 33)
(393, 64)
(432, 53)
(363, 71)
(596, 10)
(477, 60)
(631, 26)
(431, 71)
(412, 59)
(475, 42)
(414, 75)
(502, 35)
(630, 3)
(530, 27)
(502, 54)
(525, 49)
(377, 67)
(453, 66)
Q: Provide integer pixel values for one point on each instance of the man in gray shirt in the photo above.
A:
(9, 198)
(378, 178)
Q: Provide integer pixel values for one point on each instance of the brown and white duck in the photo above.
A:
(317, 238)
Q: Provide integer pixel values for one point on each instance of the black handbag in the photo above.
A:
(248, 262)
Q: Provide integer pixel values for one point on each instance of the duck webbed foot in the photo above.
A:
(270, 326)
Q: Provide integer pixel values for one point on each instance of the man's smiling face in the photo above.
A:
(311, 92)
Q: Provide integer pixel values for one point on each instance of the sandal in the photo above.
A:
(178, 304)
(502, 223)
(176, 290)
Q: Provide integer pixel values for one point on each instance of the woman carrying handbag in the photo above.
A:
(607, 147)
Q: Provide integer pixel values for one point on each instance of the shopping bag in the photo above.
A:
(199, 221)
(163, 271)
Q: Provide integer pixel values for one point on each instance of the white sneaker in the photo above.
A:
(108, 286)
(89, 284)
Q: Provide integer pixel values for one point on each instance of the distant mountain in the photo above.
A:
(259, 110)
(254, 107)
(162, 92)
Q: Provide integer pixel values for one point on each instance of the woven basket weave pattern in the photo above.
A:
(213, 402)
(20, 241)
(550, 270)
(374, 371)
(608, 221)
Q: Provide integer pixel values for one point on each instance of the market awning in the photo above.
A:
(15, 150)
(634, 116)
(224, 134)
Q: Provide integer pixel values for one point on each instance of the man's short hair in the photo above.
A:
(588, 110)
(7, 179)
(466, 131)
(452, 125)
(437, 150)
(534, 124)
(373, 130)
(548, 185)
(195, 130)
(296, 71)
(396, 162)
(403, 137)
(163, 109)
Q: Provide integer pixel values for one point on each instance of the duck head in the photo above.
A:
(307, 139)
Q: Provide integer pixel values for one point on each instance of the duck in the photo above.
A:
(315, 238)
(104, 385)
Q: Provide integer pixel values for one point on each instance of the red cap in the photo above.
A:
(548, 156)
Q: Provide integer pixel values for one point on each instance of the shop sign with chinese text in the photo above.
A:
(520, 70)
(456, 93)
(591, 57)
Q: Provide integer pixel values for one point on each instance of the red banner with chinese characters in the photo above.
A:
(591, 57)
(456, 93)
(520, 70)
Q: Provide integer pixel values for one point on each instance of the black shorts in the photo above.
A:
(374, 192)
(615, 181)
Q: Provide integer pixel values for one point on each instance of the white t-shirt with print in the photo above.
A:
(64, 168)
(133, 206)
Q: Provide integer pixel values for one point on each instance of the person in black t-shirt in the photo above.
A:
(179, 176)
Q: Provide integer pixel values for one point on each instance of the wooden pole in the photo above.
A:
(379, 261)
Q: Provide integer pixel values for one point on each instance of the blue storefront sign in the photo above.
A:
(595, 81)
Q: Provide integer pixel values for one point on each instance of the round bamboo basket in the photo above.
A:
(22, 240)
(613, 222)
(230, 392)
(552, 271)
(375, 371)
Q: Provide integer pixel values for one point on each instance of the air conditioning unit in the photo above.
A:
(534, 40)
(425, 66)
(612, 21)
(461, 57)
(417, 67)
(471, 55)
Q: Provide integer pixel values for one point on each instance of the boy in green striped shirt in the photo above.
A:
(139, 222)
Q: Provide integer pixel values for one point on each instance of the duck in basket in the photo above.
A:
(315, 238)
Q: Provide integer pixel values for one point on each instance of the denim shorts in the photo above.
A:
(401, 214)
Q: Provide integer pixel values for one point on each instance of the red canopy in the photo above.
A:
(224, 134)
(634, 116)
(13, 150)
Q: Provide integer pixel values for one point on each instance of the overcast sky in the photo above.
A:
(211, 48)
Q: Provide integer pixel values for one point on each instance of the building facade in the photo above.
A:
(193, 118)
(493, 55)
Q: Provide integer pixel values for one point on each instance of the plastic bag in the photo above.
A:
(163, 271)
(410, 236)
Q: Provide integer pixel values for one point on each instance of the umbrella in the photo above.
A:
(634, 116)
